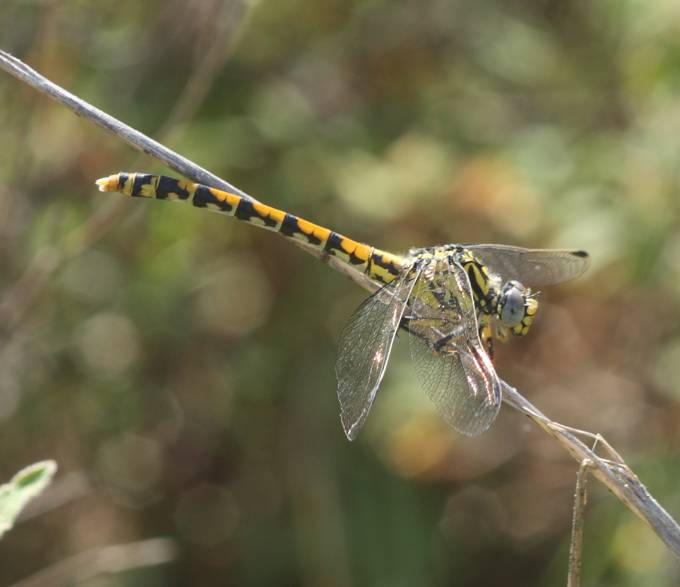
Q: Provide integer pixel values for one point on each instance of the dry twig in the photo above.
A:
(576, 547)
(612, 472)
(18, 299)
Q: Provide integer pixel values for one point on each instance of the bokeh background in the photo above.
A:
(179, 365)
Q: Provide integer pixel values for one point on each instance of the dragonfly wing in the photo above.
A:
(533, 267)
(364, 348)
(450, 361)
(466, 395)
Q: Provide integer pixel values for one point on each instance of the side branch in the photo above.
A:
(612, 472)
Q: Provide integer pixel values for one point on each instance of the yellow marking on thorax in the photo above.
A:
(479, 274)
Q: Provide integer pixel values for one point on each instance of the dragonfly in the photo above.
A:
(453, 300)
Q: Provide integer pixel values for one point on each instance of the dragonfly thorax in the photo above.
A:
(509, 303)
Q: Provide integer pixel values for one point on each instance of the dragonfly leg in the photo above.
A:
(486, 336)
(440, 343)
(502, 333)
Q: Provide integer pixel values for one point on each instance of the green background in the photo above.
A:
(179, 365)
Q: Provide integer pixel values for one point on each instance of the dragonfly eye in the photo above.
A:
(512, 304)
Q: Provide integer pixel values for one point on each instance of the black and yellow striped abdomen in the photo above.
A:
(378, 265)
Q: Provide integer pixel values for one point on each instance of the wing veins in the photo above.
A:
(532, 267)
(364, 349)
(459, 378)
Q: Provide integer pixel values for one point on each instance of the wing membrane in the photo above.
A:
(364, 348)
(448, 356)
(455, 386)
(533, 267)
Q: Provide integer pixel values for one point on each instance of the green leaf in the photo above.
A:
(24, 486)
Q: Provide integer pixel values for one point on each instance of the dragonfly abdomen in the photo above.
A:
(378, 265)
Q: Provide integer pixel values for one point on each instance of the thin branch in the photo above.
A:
(576, 547)
(132, 137)
(613, 472)
(20, 298)
(99, 561)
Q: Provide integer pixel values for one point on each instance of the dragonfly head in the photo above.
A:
(516, 307)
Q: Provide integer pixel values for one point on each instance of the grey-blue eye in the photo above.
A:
(512, 304)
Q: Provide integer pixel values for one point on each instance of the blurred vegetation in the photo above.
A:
(183, 363)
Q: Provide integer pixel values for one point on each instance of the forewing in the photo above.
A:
(448, 356)
(364, 348)
(532, 267)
